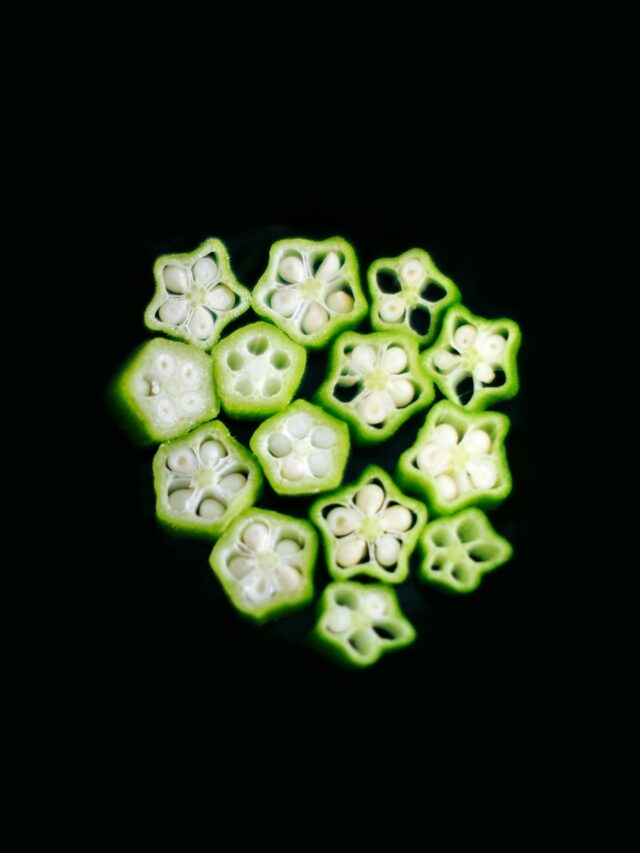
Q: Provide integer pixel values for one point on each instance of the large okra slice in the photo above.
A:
(311, 290)
(196, 295)
(203, 480)
(303, 450)
(257, 370)
(265, 563)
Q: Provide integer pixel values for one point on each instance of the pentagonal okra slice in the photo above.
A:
(369, 528)
(311, 290)
(459, 549)
(375, 383)
(409, 292)
(196, 295)
(457, 459)
(203, 480)
(473, 361)
(303, 450)
(357, 624)
(265, 563)
(257, 370)
(163, 390)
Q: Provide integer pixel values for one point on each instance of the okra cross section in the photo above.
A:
(257, 370)
(459, 549)
(196, 295)
(369, 528)
(203, 480)
(265, 563)
(311, 290)
(303, 450)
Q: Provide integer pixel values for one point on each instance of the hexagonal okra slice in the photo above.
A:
(369, 528)
(163, 390)
(265, 563)
(311, 290)
(459, 549)
(411, 293)
(257, 370)
(357, 624)
(196, 295)
(473, 362)
(303, 450)
(375, 382)
(203, 480)
(457, 459)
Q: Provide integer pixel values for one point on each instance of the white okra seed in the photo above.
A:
(413, 271)
(256, 536)
(392, 309)
(183, 461)
(176, 279)
(483, 473)
(240, 566)
(433, 458)
(190, 374)
(320, 463)
(178, 499)
(210, 508)
(396, 518)
(445, 435)
(291, 269)
(338, 620)
(300, 424)
(205, 270)
(173, 311)
(288, 578)
(373, 408)
(445, 360)
(329, 267)
(350, 552)
(191, 402)
(446, 486)
(373, 605)
(285, 302)
(258, 587)
(492, 348)
(201, 323)
(341, 521)
(278, 445)
(293, 469)
(220, 298)
(315, 318)
(394, 360)
(370, 498)
(401, 392)
(477, 441)
(465, 337)
(364, 356)
(233, 482)
(387, 550)
(323, 437)
(287, 547)
(211, 451)
(165, 364)
(166, 410)
(483, 372)
(340, 302)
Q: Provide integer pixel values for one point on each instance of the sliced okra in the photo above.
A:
(311, 290)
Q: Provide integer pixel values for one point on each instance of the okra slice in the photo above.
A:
(411, 293)
(265, 563)
(257, 370)
(163, 390)
(303, 450)
(311, 290)
(473, 362)
(357, 624)
(369, 528)
(196, 295)
(458, 459)
(459, 549)
(203, 480)
(375, 383)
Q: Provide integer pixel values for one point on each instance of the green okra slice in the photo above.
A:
(303, 450)
(265, 563)
(163, 390)
(375, 382)
(358, 623)
(409, 292)
(459, 549)
(458, 459)
(473, 361)
(203, 480)
(311, 290)
(369, 528)
(196, 295)
(257, 370)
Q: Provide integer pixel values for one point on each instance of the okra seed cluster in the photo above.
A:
(380, 379)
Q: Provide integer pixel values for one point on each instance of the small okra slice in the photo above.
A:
(265, 563)
(375, 383)
(257, 370)
(163, 390)
(369, 528)
(473, 361)
(409, 292)
(311, 290)
(459, 549)
(302, 450)
(196, 295)
(358, 623)
(203, 480)
(457, 459)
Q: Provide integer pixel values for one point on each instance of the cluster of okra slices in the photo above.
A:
(207, 484)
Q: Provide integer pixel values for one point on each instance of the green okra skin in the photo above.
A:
(358, 623)
(458, 459)
(311, 290)
(409, 292)
(303, 450)
(369, 528)
(203, 480)
(473, 361)
(163, 390)
(196, 295)
(375, 382)
(265, 562)
(457, 550)
(257, 370)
